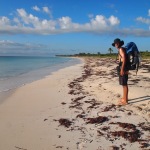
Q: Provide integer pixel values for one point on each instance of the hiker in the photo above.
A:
(123, 70)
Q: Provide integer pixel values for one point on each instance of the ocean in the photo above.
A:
(16, 71)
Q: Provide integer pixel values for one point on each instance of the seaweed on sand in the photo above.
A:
(125, 125)
(65, 122)
(132, 136)
(99, 119)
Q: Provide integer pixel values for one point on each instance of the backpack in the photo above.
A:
(133, 56)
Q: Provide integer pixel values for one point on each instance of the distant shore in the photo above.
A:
(75, 108)
(143, 54)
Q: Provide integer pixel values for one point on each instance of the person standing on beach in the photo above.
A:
(123, 70)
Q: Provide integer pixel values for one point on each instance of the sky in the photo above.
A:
(45, 27)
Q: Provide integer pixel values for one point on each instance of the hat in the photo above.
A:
(117, 41)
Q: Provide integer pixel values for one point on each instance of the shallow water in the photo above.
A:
(16, 71)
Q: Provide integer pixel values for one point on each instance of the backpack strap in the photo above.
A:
(117, 58)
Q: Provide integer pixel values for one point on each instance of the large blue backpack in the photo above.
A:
(133, 56)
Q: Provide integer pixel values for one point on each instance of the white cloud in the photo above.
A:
(133, 32)
(25, 23)
(114, 20)
(15, 48)
(101, 21)
(34, 22)
(16, 20)
(22, 13)
(66, 23)
(5, 42)
(4, 21)
(36, 8)
(98, 22)
(143, 20)
(46, 10)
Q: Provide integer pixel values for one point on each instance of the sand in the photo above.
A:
(75, 108)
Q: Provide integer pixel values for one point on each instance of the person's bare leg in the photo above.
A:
(125, 94)
(124, 99)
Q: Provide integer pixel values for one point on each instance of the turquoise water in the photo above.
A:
(18, 70)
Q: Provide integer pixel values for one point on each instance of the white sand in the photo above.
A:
(29, 117)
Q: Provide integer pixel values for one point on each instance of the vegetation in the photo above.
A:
(110, 50)
(144, 55)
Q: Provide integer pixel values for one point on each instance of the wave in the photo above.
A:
(15, 81)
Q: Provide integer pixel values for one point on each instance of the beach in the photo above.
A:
(76, 108)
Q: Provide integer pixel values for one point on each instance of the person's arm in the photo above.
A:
(122, 54)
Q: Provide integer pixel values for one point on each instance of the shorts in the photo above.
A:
(123, 80)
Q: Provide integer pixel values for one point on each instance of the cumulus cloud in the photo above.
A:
(144, 20)
(4, 21)
(36, 8)
(114, 20)
(26, 23)
(98, 24)
(34, 22)
(46, 10)
(66, 23)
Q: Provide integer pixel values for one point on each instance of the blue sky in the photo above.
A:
(45, 27)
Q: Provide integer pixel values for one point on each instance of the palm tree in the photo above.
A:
(98, 53)
(110, 50)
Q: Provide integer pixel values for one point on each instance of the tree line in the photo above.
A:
(144, 54)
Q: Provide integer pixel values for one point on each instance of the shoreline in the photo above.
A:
(74, 108)
(5, 94)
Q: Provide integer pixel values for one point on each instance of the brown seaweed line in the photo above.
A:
(130, 136)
